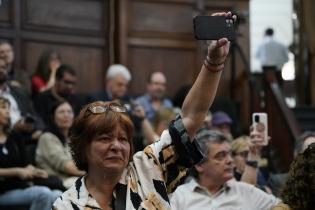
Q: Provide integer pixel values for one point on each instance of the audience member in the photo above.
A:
(272, 53)
(64, 89)
(117, 80)
(20, 104)
(299, 189)
(53, 154)
(304, 140)
(17, 78)
(101, 145)
(152, 132)
(277, 181)
(16, 174)
(44, 76)
(214, 187)
(246, 154)
(222, 122)
(155, 98)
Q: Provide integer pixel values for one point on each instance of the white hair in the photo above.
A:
(117, 69)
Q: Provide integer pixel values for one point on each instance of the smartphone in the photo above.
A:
(260, 124)
(213, 28)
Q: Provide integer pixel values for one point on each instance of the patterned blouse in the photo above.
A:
(148, 179)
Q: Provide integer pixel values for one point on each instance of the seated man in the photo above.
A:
(214, 187)
(155, 98)
(64, 89)
(117, 81)
(21, 105)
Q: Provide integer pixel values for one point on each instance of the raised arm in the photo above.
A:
(202, 93)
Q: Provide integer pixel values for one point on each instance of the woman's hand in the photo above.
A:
(40, 173)
(256, 142)
(26, 172)
(138, 111)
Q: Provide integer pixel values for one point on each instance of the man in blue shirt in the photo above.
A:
(154, 99)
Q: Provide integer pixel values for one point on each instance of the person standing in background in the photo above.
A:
(272, 53)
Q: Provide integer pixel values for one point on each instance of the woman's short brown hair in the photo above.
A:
(88, 125)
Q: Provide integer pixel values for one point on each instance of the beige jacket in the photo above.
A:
(51, 155)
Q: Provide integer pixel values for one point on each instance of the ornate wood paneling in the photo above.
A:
(77, 29)
(162, 18)
(6, 8)
(72, 16)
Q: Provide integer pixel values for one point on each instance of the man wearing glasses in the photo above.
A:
(214, 186)
(63, 90)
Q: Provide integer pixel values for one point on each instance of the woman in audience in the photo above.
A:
(52, 152)
(44, 76)
(246, 154)
(15, 174)
(101, 144)
(299, 190)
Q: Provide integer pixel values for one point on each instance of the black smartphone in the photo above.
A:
(214, 28)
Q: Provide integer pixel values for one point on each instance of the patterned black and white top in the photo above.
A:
(148, 179)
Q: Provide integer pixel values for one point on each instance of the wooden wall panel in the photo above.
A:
(6, 9)
(157, 17)
(78, 15)
(77, 29)
(87, 61)
(176, 64)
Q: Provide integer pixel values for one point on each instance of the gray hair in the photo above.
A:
(206, 137)
(117, 69)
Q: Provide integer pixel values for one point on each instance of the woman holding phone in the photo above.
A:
(101, 145)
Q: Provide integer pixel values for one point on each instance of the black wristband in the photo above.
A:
(252, 163)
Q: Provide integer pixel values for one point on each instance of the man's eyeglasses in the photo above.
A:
(102, 109)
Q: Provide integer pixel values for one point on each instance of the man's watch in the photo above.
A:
(252, 163)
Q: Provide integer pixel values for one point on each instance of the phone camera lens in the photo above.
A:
(256, 118)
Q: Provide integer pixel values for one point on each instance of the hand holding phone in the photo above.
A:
(214, 27)
(260, 125)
